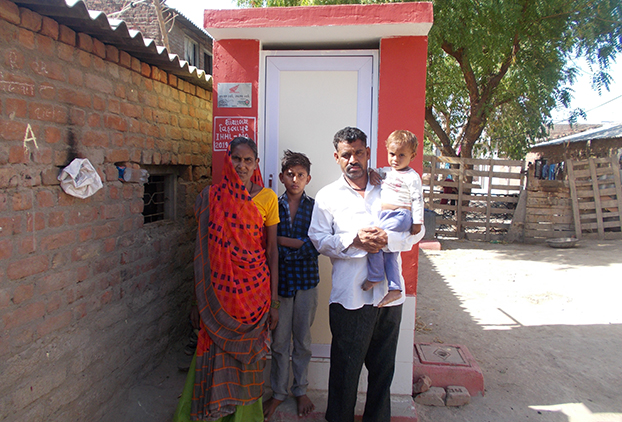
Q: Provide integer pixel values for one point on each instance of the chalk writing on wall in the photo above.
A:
(29, 136)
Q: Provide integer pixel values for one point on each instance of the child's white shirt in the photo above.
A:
(403, 188)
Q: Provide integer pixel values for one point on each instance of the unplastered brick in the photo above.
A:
(145, 70)
(135, 65)
(85, 42)
(9, 11)
(49, 28)
(30, 20)
(67, 35)
(112, 54)
(457, 396)
(125, 59)
(435, 396)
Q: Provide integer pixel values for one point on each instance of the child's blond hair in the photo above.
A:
(403, 137)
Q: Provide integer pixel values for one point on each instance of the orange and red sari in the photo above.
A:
(233, 294)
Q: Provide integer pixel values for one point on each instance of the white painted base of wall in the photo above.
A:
(402, 380)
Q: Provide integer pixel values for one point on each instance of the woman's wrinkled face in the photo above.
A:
(244, 162)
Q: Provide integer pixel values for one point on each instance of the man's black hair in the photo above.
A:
(349, 135)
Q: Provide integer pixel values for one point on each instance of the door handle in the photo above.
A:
(270, 181)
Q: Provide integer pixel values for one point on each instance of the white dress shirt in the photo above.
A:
(339, 213)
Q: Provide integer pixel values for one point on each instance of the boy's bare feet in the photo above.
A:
(305, 405)
(269, 407)
(392, 296)
(368, 285)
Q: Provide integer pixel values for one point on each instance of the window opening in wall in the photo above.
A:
(154, 199)
(192, 52)
(160, 196)
(207, 62)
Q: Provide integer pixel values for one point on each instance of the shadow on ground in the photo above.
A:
(543, 324)
(154, 396)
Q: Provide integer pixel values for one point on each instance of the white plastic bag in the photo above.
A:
(80, 179)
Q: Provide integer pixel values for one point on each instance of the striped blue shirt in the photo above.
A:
(298, 268)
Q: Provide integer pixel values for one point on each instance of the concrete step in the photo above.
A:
(402, 408)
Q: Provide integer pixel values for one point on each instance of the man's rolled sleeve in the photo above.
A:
(403, 241)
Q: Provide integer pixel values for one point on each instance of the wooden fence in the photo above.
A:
(548, 210)
(473, 198)
(596, 192)
(586, 203)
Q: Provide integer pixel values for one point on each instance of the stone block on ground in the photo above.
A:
(435, 396)
(422, 385)
(457, 396)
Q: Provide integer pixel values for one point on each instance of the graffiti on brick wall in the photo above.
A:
(13, 87)
(29, 137)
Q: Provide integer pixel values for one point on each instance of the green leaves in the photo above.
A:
(507, 67)
(496, 68)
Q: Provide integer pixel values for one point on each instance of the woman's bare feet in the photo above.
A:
(392, 296)
(368, 285)
(305, 405)
(269, 407)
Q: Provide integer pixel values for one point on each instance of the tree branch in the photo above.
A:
(465, 67)
(446, 147)
(432, 138)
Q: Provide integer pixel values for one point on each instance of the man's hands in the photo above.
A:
(371, 239)
(375, 178)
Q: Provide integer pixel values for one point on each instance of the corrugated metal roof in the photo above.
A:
(603, 132)
(187, 20)
(75, 15)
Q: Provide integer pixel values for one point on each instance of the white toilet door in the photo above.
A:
(309, 96)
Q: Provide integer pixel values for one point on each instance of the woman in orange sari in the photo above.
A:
(236, 278)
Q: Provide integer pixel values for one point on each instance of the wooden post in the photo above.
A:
(432, 180)
(489, 198)
(615, 166)
(576, 214)
(158, 8)
(459, 233)
(597, 204)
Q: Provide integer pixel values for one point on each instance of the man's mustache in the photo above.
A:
(350, 166)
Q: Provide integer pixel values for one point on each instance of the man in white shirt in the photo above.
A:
(342, 229)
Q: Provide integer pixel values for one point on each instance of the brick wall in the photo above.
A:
(90, 296)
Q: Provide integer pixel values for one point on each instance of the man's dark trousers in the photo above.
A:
(367, 335)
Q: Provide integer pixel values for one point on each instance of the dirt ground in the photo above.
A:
(544, 324)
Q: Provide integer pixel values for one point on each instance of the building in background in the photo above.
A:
(187, 40)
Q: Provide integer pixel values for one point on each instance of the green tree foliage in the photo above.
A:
(496, 68)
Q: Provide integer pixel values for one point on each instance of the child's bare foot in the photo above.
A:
(269, 407)
(392, 296)
(305, 405)
(368, 285)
